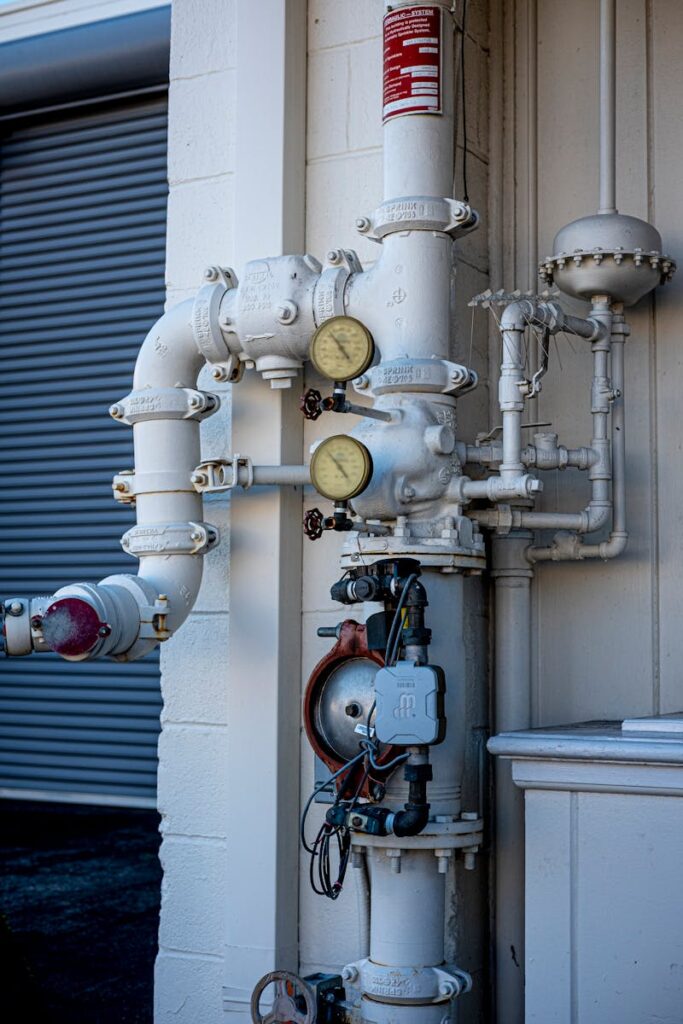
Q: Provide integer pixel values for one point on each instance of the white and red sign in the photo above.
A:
(413, 38)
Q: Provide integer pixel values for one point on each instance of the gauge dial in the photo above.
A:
(341, 467)
(342, 348)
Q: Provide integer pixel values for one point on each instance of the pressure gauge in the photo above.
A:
(341, 467)
(342, 348)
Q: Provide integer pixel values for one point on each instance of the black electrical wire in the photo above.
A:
(320, 870)
(466, 197)
(394, 638)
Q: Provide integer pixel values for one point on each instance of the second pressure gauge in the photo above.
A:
(342, 348)
(341, 467)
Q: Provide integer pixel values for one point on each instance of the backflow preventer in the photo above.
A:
(385, 710)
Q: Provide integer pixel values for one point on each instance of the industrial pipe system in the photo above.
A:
(386, 709)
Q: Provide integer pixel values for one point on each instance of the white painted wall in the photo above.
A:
(608, 642)
(193, 781)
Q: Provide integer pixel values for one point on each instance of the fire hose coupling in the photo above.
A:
(170, 539)
(164, 404)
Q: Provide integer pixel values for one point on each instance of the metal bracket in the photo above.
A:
(218, 475)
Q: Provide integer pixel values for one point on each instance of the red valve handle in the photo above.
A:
(314, 524)
(310, 404)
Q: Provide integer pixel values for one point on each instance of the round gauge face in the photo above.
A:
(342, 348)
(341, 467)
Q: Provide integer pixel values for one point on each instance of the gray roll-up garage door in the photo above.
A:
(82, 248)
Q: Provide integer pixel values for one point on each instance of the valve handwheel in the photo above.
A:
(314, 524)
(294, 1002)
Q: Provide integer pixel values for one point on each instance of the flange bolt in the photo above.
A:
(36, 621)
(363, 224)
(15, 608)
(116, 411)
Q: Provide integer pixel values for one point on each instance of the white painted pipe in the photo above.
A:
(137, 611)
(407, 925)
(418, 148)
(512, 700)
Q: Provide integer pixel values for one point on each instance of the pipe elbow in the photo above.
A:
(411, 821)
(615, 546)
(516, 316)
(169, 355)
(597, 515)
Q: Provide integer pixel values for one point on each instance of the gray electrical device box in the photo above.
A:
(410, 704)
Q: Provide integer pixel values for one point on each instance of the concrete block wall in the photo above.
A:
(193, 798)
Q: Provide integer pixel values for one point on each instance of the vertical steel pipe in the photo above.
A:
(608, 110)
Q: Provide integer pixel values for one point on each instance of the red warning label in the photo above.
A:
(412, 61)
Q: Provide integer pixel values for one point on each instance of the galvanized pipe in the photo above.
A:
(608, 118)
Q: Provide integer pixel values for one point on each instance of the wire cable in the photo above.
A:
(465, 197)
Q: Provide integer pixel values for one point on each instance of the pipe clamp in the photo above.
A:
(164, 404)
(170, 539)
(422, 213)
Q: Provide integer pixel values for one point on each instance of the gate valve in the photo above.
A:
(294, 1002)
(310, 404)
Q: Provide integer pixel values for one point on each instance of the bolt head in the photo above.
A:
(195, 535)
(334, 256)
(104, 630)
(195, 401)
(116, 411)
(15, 608)
(362, 383)
(363, 224)
(36, 621)
(210, 274)
(198, 479)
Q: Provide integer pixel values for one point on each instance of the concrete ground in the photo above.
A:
(79, 910)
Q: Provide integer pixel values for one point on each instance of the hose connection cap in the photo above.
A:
(71, 627)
